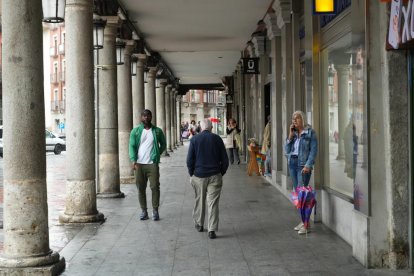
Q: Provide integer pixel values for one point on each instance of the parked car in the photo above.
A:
(53, 142)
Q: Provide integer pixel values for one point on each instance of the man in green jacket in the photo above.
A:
(146, 143)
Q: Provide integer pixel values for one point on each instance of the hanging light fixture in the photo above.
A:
(120, 48)
(134, 62)
(98, 33)
(146, 75)
(53, 11)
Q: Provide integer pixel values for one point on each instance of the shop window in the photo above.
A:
(345, 116)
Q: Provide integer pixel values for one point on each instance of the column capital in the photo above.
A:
(239, 66)
(282, 9)
(140, 57)
(152, 71)
(251, 49)
(163, 82)
(169, 87)
(111, 21)
(271, 24)
(129, 47)
(111, 27)
(261, 45)
(342, 68)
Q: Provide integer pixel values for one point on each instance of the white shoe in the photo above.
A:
(298, 227)
(303, 231)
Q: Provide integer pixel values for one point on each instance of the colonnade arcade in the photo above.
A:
(95, 167)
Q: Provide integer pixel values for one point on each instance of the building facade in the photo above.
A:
(199, 104)
(55, 89)
(356, 94)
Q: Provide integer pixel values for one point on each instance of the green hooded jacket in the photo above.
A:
(135, 139)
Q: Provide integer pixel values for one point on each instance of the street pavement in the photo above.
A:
(255, 235)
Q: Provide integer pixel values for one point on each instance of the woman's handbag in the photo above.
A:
(185, 134)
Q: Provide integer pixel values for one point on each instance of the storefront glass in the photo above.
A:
(345, 138)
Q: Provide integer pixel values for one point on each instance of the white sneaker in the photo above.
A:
(303, 231)
(298, 227)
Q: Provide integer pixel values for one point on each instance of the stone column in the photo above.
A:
(138, 101)
(80, 117)
(274, 34)
(168, 117)
(160, 101)
(175, 136)
(253, 98)
(108, 156)
(150, 93)
(287, 97)
(26, 232)
(177, 133)
(125, 115)
(343, 78)
(262, 47)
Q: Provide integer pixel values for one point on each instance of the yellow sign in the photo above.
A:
(324, 6)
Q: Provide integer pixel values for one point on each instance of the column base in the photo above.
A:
(99, 217)
(340, 157)
(111, 195)
(127, 180)
(51, 264)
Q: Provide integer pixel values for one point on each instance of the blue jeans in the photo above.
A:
(295, 171)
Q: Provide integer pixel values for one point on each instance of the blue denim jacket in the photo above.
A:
(308, 147)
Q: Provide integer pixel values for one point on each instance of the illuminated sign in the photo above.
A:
(324, 7)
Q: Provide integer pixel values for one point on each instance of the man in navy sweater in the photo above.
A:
(207, 162)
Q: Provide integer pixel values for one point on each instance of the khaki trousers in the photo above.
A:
(207, 188)
(144, 173)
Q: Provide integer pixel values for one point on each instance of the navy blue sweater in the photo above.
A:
(207, 155)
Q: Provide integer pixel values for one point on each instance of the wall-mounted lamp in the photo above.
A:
(134, 62)
(146, 75)
(53, 11)
(120, 48)
(98, 33)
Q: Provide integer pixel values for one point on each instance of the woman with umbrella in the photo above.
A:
(301, 147)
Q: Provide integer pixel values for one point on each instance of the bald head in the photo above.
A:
(206, 125)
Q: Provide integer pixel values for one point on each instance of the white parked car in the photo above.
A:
(53, 142)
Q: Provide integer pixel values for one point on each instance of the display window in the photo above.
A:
(344, 113)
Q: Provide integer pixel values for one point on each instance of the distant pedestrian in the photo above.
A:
(207, 162)
(146, 143)
(198, 127)
(192, 129)
(266, 145)
(231, 141)
(301, 148)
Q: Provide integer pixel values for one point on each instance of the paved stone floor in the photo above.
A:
(255, 234)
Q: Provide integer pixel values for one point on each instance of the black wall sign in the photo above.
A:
(251, 66)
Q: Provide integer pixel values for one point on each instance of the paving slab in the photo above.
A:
(255, 235)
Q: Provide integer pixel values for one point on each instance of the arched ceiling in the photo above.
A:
(200, 40)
